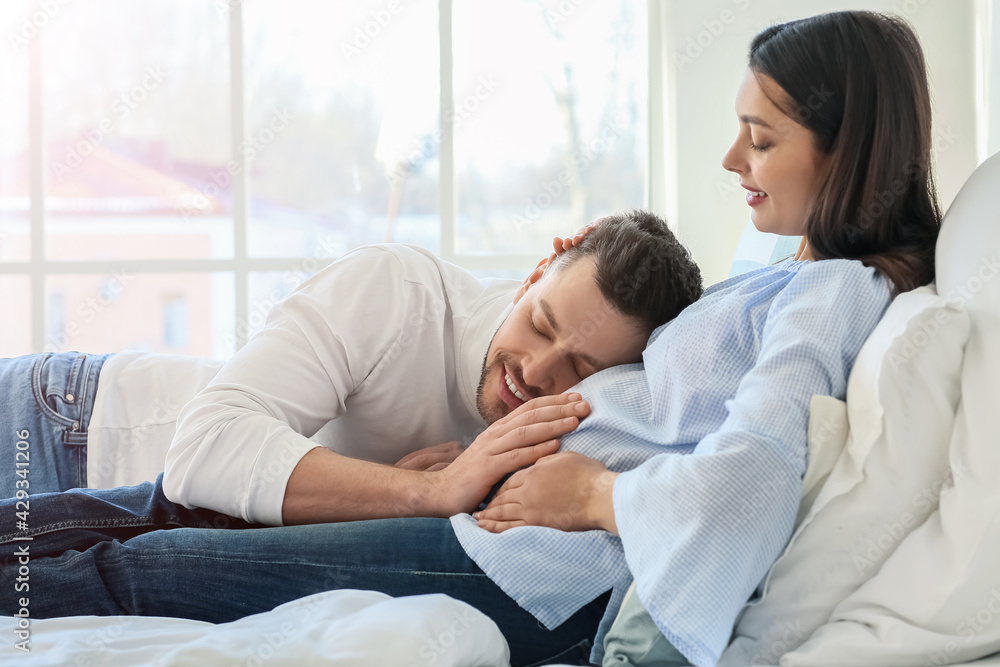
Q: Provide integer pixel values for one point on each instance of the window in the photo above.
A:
(176, 167)
(573, 88)
(175, 321)
(56, 316)
(14, 202)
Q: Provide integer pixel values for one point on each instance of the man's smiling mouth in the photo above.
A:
(509, 392)
(513, 389)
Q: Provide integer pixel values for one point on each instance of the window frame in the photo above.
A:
(39, 267)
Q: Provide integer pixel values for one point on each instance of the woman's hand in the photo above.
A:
(568, 491)
(561, 245)
(525, 435)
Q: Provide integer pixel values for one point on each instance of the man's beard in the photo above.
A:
(490, 413)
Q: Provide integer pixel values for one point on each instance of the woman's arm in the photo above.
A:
(700, 530)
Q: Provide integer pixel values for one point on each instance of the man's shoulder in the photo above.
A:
(377, 272)
(417, 266)
(406, 262)
(404, 256)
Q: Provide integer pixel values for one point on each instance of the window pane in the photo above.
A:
(18, 29)
(550, 133)
(136, 112)
(175, 313)
(15, 304)
(342, 117)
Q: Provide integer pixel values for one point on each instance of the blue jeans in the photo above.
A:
(131, 551)
(45, 405)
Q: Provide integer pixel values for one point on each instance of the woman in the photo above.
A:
(834, 145)
(695, 462)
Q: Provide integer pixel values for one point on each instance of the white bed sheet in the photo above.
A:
(345, 628)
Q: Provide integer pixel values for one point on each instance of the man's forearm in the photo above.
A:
(326, 487)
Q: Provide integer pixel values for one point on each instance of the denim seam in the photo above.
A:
(74, 375)
(143, 425)
(113, 523)
(91, 378)
(359, 568)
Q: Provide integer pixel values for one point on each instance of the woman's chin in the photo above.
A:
(762, 223)
(767, 224)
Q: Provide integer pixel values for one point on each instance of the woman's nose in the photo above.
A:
(732, 161)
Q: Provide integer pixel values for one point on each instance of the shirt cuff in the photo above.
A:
(269, 479)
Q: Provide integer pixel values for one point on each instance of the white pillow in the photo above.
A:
(901, 401)
(828, 431)
(936, 600)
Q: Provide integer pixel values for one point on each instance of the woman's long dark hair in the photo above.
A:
(858, 81)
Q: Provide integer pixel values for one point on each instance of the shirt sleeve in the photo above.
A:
(238, 440)
(699, 531)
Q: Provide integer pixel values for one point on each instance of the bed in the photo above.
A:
(907, 610)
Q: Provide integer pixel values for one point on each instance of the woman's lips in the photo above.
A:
(755, 198)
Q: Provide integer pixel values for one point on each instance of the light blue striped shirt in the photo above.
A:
(726, 385)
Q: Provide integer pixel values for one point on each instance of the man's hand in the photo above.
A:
(568, 491)
(366, 490)
(513, 442)
(432, 458)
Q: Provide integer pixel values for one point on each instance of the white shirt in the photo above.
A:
(374, 357)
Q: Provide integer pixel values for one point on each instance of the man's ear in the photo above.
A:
(534, 276)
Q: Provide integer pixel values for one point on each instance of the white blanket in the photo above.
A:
(345, 628)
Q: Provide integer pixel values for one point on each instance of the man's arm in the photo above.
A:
(327, 487)
(238, 441)
(435, 457)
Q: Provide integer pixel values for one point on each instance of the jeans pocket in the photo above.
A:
(56, 381)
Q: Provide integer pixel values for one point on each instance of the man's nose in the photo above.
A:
(542, 371)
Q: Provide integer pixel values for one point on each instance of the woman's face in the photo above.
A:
(776, 159)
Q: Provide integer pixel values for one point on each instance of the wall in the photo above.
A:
(710, 39)
(989, 11)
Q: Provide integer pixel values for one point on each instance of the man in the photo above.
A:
(372, 359)
(411, 364)
(387, 351)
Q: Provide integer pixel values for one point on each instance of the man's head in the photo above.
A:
(591, 308)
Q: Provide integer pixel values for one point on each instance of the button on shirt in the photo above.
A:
(710, 433)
